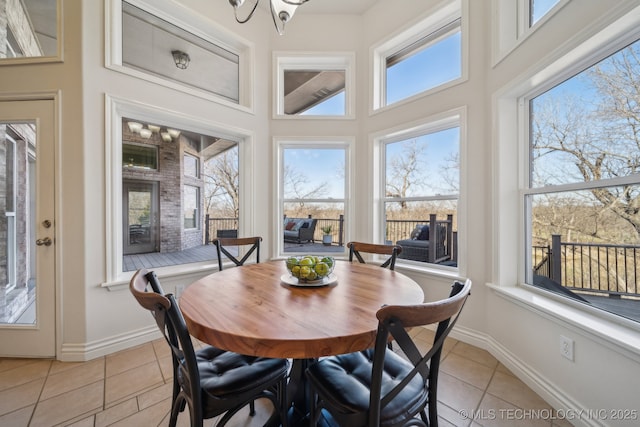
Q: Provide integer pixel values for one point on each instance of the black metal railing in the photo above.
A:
(593, 267)
(395, 230)
(219, 227)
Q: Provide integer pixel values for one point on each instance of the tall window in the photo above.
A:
(583, 195)
(421, 192)
(191, 205)
(313, 180)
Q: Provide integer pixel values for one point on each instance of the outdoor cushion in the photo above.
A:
(421, 232)
(290, 225)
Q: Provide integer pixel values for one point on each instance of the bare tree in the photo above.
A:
(296, 185)
(405, 171)
(222, 183)
(596, 136)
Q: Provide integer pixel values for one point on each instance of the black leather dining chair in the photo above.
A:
(210, 381)
(378, 387)
(358, 248)
(223, 244)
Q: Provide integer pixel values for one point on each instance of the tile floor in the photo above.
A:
(133, 388)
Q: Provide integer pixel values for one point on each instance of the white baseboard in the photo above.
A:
(89, 351)
(547, 390)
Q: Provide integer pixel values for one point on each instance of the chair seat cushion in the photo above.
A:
(225, 373)
(344, 383)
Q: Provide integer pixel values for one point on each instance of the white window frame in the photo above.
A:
(320, 61)
(432, 124)
(115, 109)
(511, 179)
(512, 29)
(193, 23)
(282, 143)
(433, 20)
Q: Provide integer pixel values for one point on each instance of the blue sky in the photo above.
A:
(318, 165)
(415, 74)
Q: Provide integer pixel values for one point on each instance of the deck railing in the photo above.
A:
(608, 269)
(396, 230)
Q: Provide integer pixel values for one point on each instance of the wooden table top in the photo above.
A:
(249, 309)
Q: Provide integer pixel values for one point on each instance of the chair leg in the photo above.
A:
(252, 408)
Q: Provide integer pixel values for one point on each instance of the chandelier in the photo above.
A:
(281, 11)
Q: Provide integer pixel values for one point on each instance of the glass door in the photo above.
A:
(140, 217)
(27, 229)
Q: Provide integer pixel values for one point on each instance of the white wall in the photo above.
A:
(95, 321)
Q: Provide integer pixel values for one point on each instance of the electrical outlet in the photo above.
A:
(179, 290)
(566, 347)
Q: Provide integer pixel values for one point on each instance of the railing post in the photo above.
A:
(206, 229)
(433, 238)
(449, 234)
(341, 230)
(556, 266)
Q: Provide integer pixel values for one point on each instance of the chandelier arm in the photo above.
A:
(276, 19)
(243, 21)
(295, 2)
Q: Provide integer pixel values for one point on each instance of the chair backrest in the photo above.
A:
(393, 321)
(164, 309)
(222, 245)
(357, 248)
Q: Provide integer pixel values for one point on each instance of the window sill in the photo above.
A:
(599, 325)
(184, 271)
(447, 273)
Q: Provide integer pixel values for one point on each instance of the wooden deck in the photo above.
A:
(208, 253)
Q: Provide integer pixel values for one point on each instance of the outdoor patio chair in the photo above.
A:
(223, 245)
(210, 381)
(378, 387)
(356, 248)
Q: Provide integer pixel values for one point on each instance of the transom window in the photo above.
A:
(425, 57)
(433, 60)
(191, 166)
(539, 8)
(314, 86)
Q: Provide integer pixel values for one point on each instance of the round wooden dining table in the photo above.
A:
(251, 310)
(255, 310)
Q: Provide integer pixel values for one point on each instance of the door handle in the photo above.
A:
(44, 242)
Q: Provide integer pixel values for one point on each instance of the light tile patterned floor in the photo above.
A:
(133, 388)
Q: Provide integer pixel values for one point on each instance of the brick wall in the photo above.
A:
(170, 178)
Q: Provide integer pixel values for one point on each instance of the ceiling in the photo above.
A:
(335, 7)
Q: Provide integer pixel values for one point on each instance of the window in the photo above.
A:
(140, 156)
(420, 193)
(517, 20)
(583, 191)
(31, 31)
(313, 185)
(191, 205)
(427, 56)
(144, 42)
(432, 61)
(191, 164)
(539, 8)
(315, 86)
